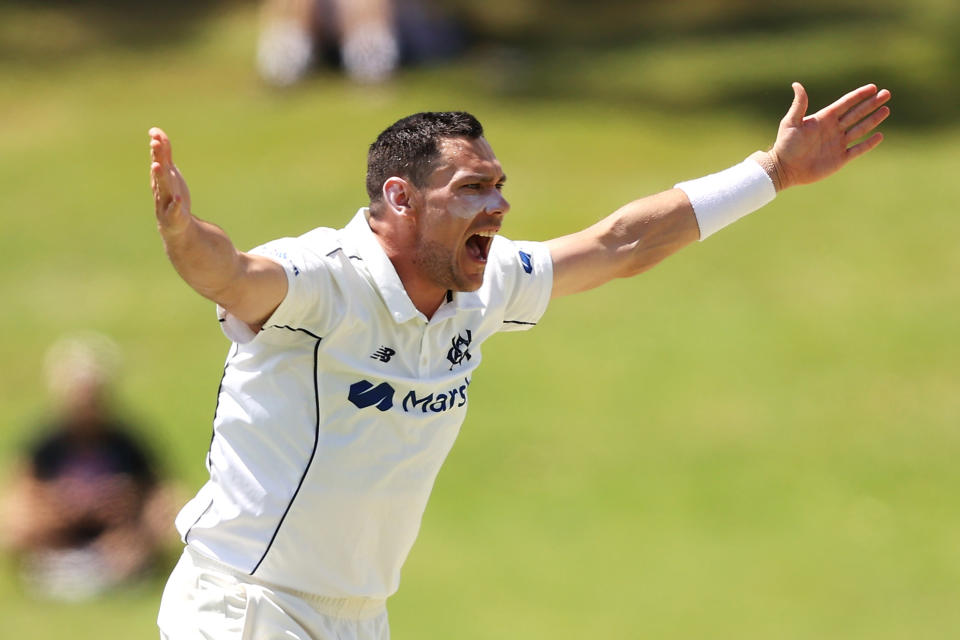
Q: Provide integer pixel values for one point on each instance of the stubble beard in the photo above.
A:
(439, 264)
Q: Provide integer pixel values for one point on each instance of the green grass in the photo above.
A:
(755, 440)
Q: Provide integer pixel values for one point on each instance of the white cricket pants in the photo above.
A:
(205, 599)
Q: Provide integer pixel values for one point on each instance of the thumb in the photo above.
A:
(799, 107)
(175, 218)
(173, 215)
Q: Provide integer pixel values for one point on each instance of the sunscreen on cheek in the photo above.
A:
(468, 206)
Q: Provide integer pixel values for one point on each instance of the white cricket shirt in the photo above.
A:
(332, 422)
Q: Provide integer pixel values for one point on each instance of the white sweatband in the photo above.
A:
(723, 198)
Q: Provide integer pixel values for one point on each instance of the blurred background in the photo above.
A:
(757, 439)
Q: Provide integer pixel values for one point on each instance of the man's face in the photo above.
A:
(461, 209)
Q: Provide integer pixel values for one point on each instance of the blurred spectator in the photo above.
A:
(368, 38)
(85, 510)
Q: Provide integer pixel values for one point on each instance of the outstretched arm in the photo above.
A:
(643, 232)
(248, 286)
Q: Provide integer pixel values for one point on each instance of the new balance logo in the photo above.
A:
(383, 354)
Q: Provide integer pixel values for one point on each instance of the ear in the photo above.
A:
(398, 195)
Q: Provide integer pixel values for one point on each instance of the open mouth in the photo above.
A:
(478, 245)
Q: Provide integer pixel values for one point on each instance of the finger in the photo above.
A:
(863, 147)
(161, 191)
(154, 178)
(848, 101)
(160, 180)
(798, 108)
(158, 163)
(160, 147)
(861, 110)
(868, 124)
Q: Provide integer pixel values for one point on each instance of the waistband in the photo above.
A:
(350, 608)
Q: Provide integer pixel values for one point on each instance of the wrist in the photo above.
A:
(720, 199)
(770, 162)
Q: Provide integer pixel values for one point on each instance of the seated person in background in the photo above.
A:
(368, 39)
(85, 510)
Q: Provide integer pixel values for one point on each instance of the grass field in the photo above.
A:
(758, 439)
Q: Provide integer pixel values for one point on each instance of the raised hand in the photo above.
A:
(171, 197)
(810, 148)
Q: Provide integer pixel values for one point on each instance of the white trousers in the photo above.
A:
(207, 600)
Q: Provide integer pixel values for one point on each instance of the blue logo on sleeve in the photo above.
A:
(525, 259)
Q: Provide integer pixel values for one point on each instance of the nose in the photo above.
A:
(499, 204)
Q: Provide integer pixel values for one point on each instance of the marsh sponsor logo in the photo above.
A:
(364, 394)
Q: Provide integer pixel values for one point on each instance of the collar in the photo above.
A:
(381, 270)
(388, 283)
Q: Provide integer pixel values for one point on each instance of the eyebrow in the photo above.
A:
(482, 177)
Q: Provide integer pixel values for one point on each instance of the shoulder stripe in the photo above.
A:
(313, 453)
(531, 324)
(338, 249)
(289, 328)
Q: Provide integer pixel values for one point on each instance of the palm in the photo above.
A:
(810, 148)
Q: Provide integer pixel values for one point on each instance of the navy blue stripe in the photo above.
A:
(213, 433)
(334, 252)
(289, 328)
(186, 536)
(216, 408)
(532, 324)
(313, 453)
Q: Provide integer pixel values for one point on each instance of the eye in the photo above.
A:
(499, 186)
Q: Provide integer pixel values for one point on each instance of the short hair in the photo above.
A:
(408, 147)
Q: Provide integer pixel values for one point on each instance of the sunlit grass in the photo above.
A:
(755, 440)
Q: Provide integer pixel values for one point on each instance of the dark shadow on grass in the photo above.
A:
(609, 23)
(924, 99)
(920, 104)
(548, 52)
(108, 24)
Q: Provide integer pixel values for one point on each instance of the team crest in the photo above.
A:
(458, 351)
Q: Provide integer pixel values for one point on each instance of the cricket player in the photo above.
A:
(353, 351)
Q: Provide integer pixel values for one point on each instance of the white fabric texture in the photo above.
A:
(206, 600)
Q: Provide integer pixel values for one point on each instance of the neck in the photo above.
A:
(425, 295)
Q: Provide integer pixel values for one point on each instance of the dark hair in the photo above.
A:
(408, 147)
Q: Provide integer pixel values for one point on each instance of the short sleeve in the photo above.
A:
(310, 303)
(527, 271)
